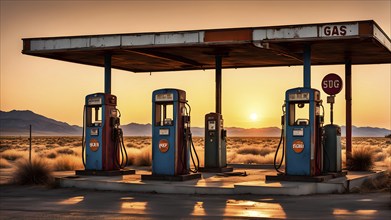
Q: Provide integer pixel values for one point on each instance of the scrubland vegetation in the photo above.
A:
(64, 153)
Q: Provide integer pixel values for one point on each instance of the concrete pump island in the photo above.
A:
(308, 158)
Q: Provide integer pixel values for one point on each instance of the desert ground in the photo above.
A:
(64, 153)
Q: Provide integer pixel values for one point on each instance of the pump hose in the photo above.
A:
(322, 142)
(116, 148)
(196, 166)
(277, 167)
(120, 160)
(82, 138)
(124, 150)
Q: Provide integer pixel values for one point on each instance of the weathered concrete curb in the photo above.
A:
(338, 185)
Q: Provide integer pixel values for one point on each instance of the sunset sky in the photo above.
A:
(251, 97)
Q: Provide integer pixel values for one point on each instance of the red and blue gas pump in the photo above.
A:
(102, 143)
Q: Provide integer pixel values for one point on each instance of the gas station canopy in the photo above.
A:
(360, 42)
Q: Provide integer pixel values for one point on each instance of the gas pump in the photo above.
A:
(332, 149)
(102, 145)
(172, 144)
(302, 132)
(215, 142)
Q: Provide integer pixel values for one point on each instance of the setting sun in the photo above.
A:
(253, 116)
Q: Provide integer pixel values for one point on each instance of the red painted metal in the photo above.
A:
(332, 84)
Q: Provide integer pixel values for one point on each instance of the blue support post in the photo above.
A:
(307, 66)
(108, 73)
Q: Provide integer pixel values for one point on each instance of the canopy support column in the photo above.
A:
(307, 66)
(218, 61)
(108, 73)
(348, 99)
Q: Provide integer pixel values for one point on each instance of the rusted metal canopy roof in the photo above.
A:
(363, 42)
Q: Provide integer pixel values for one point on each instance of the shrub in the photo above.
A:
(65, 151)
(67, 163)
(4, 147)
(250, 159)
(51, 155)
(379, 156)
(5, 163)
(12, 155)
(132, 154)
(133, 145)
(139, 157)
(381, 183)
(144, 158)
(254, 150)
(37, 172)
(362, 159)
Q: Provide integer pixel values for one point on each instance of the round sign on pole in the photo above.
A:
(332, 84)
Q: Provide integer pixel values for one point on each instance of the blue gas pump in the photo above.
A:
(102, 145)
(171, 136)
(302, 133)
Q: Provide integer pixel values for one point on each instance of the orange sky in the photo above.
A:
(57, 89)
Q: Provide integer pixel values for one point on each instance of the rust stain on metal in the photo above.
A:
(365, 28)
(228, 35)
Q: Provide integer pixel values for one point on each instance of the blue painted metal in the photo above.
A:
(301, 163)
(108, 73)
(307, 66)
(175, 161)
(94, 159)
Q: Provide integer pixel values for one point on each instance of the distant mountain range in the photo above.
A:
(16, 123)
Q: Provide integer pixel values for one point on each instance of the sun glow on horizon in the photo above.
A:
(254, 116)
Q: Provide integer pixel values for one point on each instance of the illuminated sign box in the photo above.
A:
(164, 132)
(299, 96)
(164, 97)
(95, 101)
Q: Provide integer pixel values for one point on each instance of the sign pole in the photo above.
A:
(30, 146)
(331, 112)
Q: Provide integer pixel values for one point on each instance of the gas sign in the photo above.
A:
(163, 145)
(94, 144)
(332, 84)
(298, 146)
(338, 30)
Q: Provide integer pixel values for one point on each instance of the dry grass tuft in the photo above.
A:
(67, 163)
(65, 151)
(362, 159)
(381, 183)
(51, 155)
(144, 158)
(250, 158)
(12, 154)
(37, 173)
(255, 150)
(132, 154)
(139, 157)
(5, 163)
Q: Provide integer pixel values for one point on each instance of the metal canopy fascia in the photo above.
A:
(362, 42)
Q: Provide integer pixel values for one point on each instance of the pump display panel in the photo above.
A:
(299, 96)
